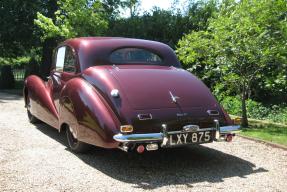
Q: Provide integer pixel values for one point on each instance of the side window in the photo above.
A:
(60, 59)
(69, 63)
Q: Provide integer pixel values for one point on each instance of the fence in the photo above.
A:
(19, 74)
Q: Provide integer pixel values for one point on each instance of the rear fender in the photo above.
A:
(88, 114)
(41, 103)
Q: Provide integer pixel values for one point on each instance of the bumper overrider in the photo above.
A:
(222, 133)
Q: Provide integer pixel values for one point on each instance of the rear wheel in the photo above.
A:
(74, 144)
(31, 117)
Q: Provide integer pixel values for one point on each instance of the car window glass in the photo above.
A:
(60, 58)
(69, 63)
(134, 55)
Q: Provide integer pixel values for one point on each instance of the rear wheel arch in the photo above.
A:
(73, 143)
(31, 117)
(66, 106)
(93, 118)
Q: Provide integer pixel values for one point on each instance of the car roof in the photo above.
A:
(93, 51)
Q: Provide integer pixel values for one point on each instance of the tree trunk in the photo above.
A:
(48, 44)
(47, 52)
(244, 122)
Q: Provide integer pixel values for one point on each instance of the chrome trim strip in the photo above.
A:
(229, 129)
(138, 137)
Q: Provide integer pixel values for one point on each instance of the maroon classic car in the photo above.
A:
(125, 93)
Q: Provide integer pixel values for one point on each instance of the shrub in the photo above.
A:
(255, 110)
(18, 62)
(232, 105)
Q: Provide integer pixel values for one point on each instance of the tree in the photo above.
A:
(74, 18)
(198, 13)
(197, 53)
(166, 26)
(17, 32)
(67, 19)
(247, 43)
(48, 44)
(112, 8)
(133, 6)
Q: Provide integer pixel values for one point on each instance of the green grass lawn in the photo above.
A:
(268, 131)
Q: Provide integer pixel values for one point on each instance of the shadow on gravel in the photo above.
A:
(6, 97)
(178, 166)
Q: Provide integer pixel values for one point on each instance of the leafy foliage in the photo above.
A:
(256, 110)
(244, 45)
(18, 61)
(74, 18)
(145, 26)
(17, 31)
(166, 26)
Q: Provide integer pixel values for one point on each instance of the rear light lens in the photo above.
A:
(237, 121)
(152, 147)
(127, 128)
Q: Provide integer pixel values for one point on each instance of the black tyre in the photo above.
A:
(75, 145)
(31, 117)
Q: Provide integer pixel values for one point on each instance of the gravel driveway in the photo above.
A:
(36, 158)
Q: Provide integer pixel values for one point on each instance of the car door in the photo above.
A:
(64, 71)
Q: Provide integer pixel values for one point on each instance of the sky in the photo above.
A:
(147, 5)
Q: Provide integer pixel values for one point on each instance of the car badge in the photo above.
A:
(182, 114)
(190, 128)
(144, 116)
(173, 97)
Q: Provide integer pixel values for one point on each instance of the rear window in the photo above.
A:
(135, 55)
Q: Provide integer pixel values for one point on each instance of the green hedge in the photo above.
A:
(256, 110)
(18, 62)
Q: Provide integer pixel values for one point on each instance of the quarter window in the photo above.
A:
(69, 64)
(65, 60)
(60, 58)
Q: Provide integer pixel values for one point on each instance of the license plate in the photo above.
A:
(190, 138)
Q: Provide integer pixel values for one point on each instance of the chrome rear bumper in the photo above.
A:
(139, 137)
(221, 133)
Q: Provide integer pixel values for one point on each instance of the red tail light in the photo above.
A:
(140, 149)
(229, 137)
